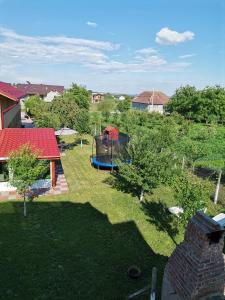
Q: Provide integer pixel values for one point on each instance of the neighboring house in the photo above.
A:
(41, 139)
(10, 115)
(44, 91)
(151, 101)
(97, 97)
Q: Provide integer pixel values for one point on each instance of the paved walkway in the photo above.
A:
(60, 188)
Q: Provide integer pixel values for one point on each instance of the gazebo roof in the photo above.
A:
(40, 139)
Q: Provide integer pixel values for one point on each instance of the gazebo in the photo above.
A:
(41, 139)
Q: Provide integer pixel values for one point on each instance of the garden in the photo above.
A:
(80, 245)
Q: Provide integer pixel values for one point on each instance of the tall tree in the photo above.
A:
(80, 95)
(25, 169)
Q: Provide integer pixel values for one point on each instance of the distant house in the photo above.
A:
(10, 115)
(121, 98)
(44, 91)
(97, 97)
(151, 101)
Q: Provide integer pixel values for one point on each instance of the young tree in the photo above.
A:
(25, 169)
(152, 162)
(192, 194)
(106, 107)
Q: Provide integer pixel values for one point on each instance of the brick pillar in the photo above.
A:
(196, 268)
(52, 172)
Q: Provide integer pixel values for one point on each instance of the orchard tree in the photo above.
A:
(66, 109)
(35, 106)
(48, 120)
(124, 105)
(152, 162)
(80, 95)
(106, 106)
(192, 194)
(25, 169)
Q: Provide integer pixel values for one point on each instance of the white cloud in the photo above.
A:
(35, 57)
(147, 51)
(187, 56)
(92, 24)
(167, 36)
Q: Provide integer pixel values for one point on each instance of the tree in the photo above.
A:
(207, 105)
(48, 120)
(192, 194)
(25, 169)
(80, 95)
(35, 106)
(66, 109)
(95, 120)
(82, 123)
(106, 107)
(124, 105)
(152, 162)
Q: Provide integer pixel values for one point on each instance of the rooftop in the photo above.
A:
(40, 89)
(40, 139)
(10, 91)
(149, 97)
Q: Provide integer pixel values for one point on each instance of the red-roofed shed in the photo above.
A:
(40, 139)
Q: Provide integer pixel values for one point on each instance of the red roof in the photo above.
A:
(41, 139)
(40, 89)
(149, 97)
(11, 92)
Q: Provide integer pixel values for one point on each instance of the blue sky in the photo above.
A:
(115, 45)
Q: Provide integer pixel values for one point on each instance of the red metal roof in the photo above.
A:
(11, 92)
(40, 89)
(149, 97)
(41, 139)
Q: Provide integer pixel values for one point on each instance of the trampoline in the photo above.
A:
(111, 146)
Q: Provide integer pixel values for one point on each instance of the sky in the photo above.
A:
(119, 46)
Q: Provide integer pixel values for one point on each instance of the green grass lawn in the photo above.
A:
(79, 245)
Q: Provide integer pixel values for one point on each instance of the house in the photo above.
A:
(151, 101)
(42, 140)
(10, 115)
(44, 91)
(97, 97)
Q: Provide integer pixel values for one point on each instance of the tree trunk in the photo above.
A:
(217, 187)
(142, 196)
(24, 206)
(183, 163)
(95, 132)
(81, 143)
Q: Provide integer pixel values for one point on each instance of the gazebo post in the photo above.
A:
(52, 172)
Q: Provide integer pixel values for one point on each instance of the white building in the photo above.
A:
(151, 101)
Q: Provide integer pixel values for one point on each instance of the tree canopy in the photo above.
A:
(207, 105)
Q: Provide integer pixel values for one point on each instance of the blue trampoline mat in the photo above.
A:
(97, 163)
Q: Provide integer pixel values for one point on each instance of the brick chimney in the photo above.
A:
(196, 268)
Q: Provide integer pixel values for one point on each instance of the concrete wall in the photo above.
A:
(146, 107)
(11, 118)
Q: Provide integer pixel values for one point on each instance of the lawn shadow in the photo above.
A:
(66, 250)
(159, 216)
(120, 184)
